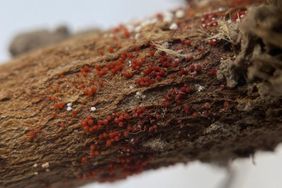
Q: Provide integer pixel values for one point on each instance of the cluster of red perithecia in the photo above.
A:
(143, 66)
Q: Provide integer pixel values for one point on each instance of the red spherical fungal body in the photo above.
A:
(127, 74)
(83, 160)
(186, 108)
(212, 72)
(144, 81)
(59, 105)
(90, 91)
(85, 70)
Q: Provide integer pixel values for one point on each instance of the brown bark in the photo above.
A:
(161, 97)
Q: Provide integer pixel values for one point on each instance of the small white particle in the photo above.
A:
(93, 109)
(35, 173)
(199, 87)
(35, 165)
(179, 14)
(221, 9)
(173, 26)
(69, 106)
(165, 45)
(131, 87)
(129, 63)
(138, 95)
(45, 165)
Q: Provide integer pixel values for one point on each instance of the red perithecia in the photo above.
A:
(91, 91)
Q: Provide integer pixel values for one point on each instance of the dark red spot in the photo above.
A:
(90, 91)
(59, 106)
(212, 72)
(85, 70)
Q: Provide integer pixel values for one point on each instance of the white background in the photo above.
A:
(17, 16)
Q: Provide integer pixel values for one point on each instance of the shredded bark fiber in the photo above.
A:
(175, 88)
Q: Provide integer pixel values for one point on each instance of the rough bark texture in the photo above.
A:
(163, 93)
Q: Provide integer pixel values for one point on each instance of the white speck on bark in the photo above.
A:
(199, 87)
(155, 144)
(173, 26)
(69, 107)
(139, 95)
(131, 87)
(45, 165)
(129, 63)
(93, 109)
